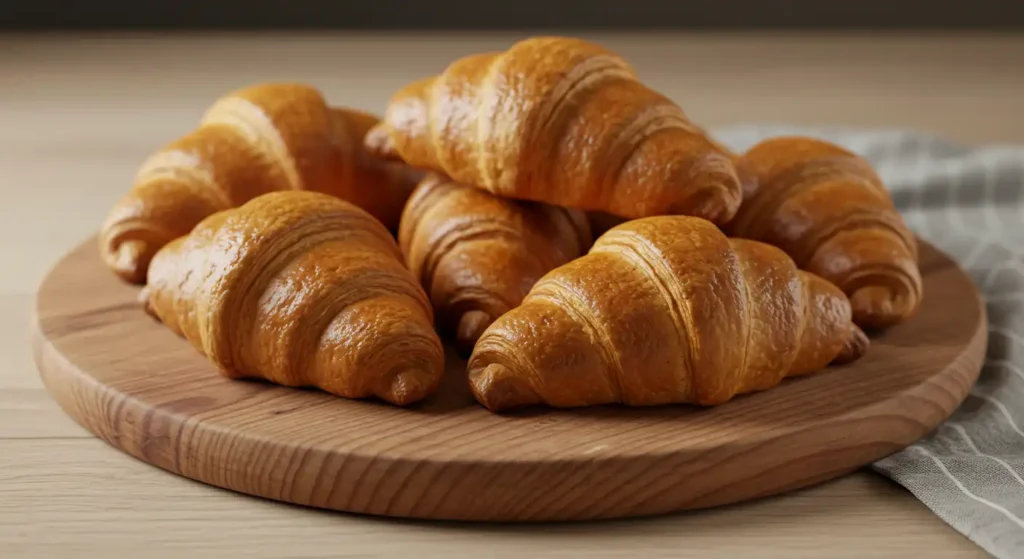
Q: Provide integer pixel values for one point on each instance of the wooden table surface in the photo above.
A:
(78, 114)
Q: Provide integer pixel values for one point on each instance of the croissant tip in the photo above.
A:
(718, 202)
(855, 346)
(471, 327)
(130, 259)
(379, 144)
(407, 386)
(877, 306)
(498, 388)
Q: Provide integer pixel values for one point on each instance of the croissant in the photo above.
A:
(477, 255)
(829, 210)
(663, 310)
(300, 289)
(376, 185)
(562, 121)
(255, 140)
(603, 221)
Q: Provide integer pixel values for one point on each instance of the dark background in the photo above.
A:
(991, 15)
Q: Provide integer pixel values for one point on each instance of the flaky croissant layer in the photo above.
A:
(259, 139)
(562, 121)
(477, 255)
(301, 289)
(663, 310)
(829, 210)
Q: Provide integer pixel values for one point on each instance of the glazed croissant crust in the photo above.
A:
(300, 289)
(663, 310)
(828, 209)
(477, 255)
(264, 138)
(561, 121)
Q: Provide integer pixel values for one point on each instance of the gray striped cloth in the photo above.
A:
(970, 203)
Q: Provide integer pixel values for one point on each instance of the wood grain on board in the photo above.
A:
(142, 389)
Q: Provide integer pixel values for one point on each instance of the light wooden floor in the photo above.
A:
(77, 116)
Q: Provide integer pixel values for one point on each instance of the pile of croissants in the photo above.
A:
(568, 229)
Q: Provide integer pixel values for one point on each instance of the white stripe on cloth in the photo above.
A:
(1002, 408)
(1013, 336)
(974, 448)
(989, 173)
(1009, 515)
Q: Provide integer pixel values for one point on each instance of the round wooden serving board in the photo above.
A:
(142, 389)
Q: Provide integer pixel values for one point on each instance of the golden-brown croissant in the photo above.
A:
(301, 289)
(562, 121)
(376, 185)
(829, 210)
(663, 310)
(264, 138)
(477, 255)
